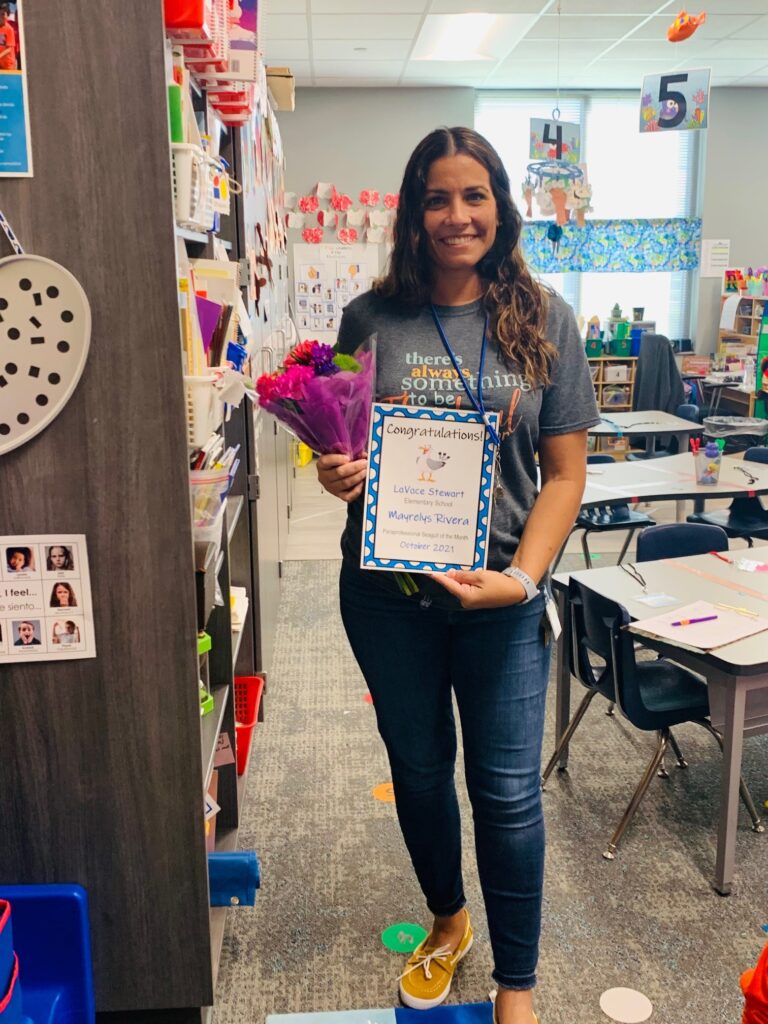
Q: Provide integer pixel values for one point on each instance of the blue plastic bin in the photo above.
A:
(6, 947)
(52, 939)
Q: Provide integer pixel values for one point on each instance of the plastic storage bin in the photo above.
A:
(248, 690)
(10, 998)
(205, 412)
(52, 939)
(192, 188)
(6, 947)
(209, 488)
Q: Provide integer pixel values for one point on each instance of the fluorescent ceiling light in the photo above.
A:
(470, 37)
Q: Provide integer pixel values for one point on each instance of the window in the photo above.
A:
(632, 175)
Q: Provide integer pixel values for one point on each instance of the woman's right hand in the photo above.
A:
(342, 476)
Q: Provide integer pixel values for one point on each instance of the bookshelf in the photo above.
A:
(742, 340)
(104, 760)
(613, 378)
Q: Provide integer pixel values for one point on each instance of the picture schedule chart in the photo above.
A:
(46, 613)
(326, 278)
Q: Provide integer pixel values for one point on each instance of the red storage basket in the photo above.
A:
(248, 690)
(189, 20)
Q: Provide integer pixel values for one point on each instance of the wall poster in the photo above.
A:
(15, 151)
(46, 613)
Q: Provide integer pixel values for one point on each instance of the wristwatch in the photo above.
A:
(531, 589)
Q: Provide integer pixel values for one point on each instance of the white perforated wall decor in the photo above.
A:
(45, 332)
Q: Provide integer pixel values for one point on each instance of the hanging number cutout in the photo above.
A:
(45, 332)
(678, 101)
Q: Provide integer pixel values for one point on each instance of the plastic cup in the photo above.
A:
(707, 468)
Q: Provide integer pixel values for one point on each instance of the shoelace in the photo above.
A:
(425, 959)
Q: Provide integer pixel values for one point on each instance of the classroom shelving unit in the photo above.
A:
(743, 338)
(613, 378)
(103, 762)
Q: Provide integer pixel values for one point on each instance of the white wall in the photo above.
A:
(735, 201)
(362, 138)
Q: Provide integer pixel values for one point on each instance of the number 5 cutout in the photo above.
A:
(678, 101)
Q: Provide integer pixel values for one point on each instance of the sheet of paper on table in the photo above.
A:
(728, 627)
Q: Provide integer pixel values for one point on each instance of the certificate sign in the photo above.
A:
(429, 490)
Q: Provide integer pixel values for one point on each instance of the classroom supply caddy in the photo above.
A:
(248, 690)
(205, 410)
(192, 187)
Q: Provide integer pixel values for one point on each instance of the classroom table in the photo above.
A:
(717, 385)
(648, 423)
(671, 479)
(736, 674)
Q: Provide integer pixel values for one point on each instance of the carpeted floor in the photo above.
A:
(335, 872)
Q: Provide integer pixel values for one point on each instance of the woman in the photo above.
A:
(457, 270)
(63, 596)
(59, 558)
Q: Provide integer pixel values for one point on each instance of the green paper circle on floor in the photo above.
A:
(626, 1005)
(403, 937)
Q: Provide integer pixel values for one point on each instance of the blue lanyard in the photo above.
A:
(477, 403)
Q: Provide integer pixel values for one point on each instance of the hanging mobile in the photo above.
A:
(45, 333)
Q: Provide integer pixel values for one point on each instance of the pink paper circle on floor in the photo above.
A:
(626, 1005)
(368, 698)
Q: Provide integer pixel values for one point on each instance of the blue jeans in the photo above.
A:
(496, 661)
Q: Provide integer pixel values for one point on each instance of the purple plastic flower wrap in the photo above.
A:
(329, 412)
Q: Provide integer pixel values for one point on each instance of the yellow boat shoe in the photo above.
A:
(426, 980)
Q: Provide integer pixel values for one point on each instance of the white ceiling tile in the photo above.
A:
(365, 26)
(603, 7)
(364, 6)
(284, 26)
(488, 6)
(759, 81)
(380, 69)
(546, 50)
(757, 29)
(361, 49)
(734, 68)
(446, 70)
(753, 7)
(610, 28)
(645, 49)
(279, 51)
(715, 27)
(287, 7)
(351, 83)
(734, 49)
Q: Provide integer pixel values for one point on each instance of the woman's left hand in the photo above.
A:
(482, 588)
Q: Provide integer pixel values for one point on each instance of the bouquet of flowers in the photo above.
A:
(322, 397)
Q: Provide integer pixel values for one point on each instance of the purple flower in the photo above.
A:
(322, 360)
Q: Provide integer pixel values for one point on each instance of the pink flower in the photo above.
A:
(391, 200)
(352, 234)
(312, 235)
(369, 197)
(309, 204)
(291, 383)
(265, 386)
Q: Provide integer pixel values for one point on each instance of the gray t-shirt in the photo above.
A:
(413, 368)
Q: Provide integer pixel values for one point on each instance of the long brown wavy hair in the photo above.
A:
(516, 303)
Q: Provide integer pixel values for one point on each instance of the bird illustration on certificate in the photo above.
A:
(429, 489)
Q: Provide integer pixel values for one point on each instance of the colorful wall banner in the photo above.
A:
(15, 153)
(615, 246)
(678, 101)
